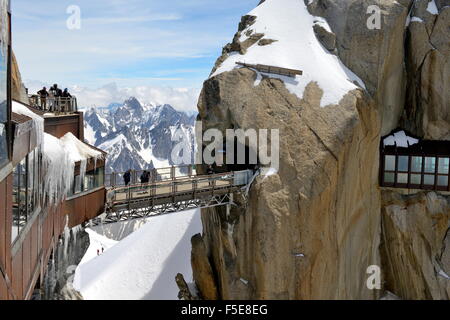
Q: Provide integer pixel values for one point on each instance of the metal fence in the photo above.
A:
(190, 185)
(54, 104)
(117, 179)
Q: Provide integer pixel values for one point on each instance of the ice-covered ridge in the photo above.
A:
(78, 150)
(23, 110)
(59, 159)
(400, 139)
(58, 168)
(289, 22)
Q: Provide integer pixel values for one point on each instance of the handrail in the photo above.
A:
(172, 188)
(57, 105)
(116, 179)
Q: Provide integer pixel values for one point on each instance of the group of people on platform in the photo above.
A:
(145, 177)
(50, 95)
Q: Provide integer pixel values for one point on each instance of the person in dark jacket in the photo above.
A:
(57, 92)
(66, 94)
(43, 94)
(145, 177)
(66, 103)
(127, 177)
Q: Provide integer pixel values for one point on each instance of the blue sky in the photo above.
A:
(130, 44)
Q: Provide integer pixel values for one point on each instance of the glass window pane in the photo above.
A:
(444, 164)
(30, 185)
(428, 180)
(15, 204)
(77, 184)
(36, 178)
(402, 178)
(416, 179)
(389, 177)
(403, 163)
(89, 181)
(443, 181)
(389, 163)
(22, 209)
(430, 165)
(99, 177)
(416, 164)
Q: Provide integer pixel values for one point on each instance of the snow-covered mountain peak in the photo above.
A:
(137, 136)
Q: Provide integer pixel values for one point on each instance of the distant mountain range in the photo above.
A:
(137, 136)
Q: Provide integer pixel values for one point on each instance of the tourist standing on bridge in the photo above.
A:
(145, 177)
(127, 177)
(43, 94)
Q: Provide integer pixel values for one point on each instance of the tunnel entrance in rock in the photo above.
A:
(241, 157)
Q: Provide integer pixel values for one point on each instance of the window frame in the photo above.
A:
(409, 185)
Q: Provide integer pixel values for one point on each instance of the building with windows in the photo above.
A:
(49, 180)
(411, 163)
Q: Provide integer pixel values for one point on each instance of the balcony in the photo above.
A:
(54, 105)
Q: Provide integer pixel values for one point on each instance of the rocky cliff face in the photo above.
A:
(416, 244)
(427, 108)
(18, 89)
(311, 230)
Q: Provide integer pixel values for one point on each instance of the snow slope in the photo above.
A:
(143, 265)
(289, 22)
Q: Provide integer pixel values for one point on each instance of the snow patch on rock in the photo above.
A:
(400, 139)
(432, 8)
(289, 22)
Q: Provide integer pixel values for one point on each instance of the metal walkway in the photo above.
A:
(169, 196)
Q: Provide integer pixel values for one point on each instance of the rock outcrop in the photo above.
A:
(311, 230)
(202, 270)
(415, 247)
(17, 88)
(427, 108)
(375, 55)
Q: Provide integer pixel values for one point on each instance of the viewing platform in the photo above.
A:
(54, 105)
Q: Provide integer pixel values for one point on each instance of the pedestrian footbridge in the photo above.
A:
(170, 193)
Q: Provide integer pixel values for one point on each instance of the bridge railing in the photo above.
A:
(167, 188)
(54, 104)
(116, 179)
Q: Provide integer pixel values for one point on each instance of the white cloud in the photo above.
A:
(182, 99)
